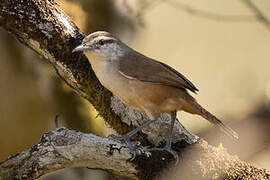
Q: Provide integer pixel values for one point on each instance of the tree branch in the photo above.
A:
(63, 148)
(44, 27)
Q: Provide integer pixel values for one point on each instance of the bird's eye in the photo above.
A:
(101, 42)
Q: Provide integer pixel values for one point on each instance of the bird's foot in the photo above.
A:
(125, 138)
(169, 149)
(134, 147)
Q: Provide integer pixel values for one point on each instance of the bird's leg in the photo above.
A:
(127, 136)
(134, 131)
(168, 146)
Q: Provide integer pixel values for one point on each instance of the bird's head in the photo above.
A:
(102, 43)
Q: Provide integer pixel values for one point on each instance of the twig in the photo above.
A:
(259, 14)
(210, 15)
(56, 121)
(146, 5)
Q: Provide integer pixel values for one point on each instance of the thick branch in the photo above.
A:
(64, 148)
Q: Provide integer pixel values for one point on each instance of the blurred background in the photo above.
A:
(221, 46)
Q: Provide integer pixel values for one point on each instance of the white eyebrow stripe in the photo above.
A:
(104, 38)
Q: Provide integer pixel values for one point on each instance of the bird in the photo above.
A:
(145, 84)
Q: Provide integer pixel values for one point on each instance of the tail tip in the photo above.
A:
(231, 132)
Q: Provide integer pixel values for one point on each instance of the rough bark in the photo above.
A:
(64, 148)
(44, 27)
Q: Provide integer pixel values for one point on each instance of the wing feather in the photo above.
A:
(138, 66)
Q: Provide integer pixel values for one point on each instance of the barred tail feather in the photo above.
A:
(213, 119)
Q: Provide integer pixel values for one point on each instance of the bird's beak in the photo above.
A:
(79, 48)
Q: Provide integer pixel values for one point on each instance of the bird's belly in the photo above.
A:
(111, 79)
(154, 99)
(147, 97)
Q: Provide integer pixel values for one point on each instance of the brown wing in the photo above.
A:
(145, 69)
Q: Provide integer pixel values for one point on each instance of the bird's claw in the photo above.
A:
(139, 150)
(169, 150)
(134, 147)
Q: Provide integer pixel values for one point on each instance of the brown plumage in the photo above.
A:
(152, 71)
(147, 85)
